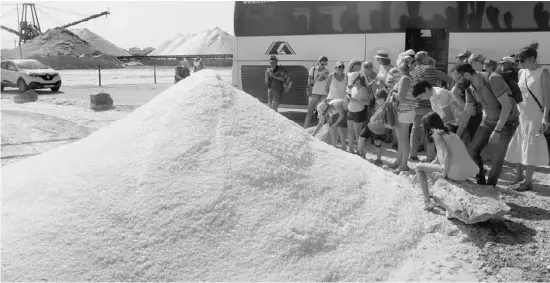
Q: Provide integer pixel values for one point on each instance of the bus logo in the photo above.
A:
(280, 48)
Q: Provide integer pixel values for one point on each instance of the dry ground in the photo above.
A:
(516, 248)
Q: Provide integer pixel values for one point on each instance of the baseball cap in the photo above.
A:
(464, 53)
(273, 58)
(507, 60)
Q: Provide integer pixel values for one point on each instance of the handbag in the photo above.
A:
(389, 114)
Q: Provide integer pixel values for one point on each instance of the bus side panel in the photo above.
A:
(336, 47)
(498, 45)
(393, 43)
(235, 74)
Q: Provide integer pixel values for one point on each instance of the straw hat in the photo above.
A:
(382, 55)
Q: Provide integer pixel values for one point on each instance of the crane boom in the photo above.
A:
(12, 31)
(85, 19)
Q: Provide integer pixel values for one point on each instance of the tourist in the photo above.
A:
(490, 65)
(375, 127)
(360, 97)
(333, 111)
(317, 81)
(463, 56)
(422, 71)
(528, 147)
(476, 60)
(452, 160)
(336, 88)
(274, 80)
(182, 71)
(384, 63)
(500, 119)
(354, 66)
(402, 93)
(442, 102)
(198, 65)
(507, 66)
(442, 77)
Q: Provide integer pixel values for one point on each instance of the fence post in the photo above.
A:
(155, 72)
(99, 73)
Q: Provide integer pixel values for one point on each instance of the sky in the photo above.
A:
(131, 23)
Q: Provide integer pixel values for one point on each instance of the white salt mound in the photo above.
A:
(100, 43)
(212, 41)
(204, 183)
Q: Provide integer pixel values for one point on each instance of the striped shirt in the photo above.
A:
(428, 73)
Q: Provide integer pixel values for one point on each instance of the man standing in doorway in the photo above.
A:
(274, 81)
(500, 118)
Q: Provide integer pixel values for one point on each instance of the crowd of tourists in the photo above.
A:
(502, 106)
(183, 70)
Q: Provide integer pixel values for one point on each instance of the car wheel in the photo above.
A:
(2, 88)
(22, 85)
(56, 87)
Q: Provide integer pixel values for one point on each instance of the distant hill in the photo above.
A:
(142, 52)
(213, 41)
(99, 43)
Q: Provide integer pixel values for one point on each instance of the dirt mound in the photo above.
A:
(63, 49)
(54, 42)
(204, 183)
(213, 41)
(99, 43)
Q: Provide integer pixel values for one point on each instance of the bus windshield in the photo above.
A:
(272, 18)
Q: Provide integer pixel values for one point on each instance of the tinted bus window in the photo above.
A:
(350, 17)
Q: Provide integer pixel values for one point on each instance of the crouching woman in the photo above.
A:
(452, 162)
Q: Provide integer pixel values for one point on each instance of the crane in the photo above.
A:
(29, 27)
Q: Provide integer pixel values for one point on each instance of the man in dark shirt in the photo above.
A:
(274, 81)
(182, 71)
(500, 119)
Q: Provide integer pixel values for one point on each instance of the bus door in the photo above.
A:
(433, 41)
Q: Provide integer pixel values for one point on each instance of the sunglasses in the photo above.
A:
(340, 67)
(323, 64)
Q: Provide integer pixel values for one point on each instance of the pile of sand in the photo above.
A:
(213, 41)
(62, 49)
(99, 43)
(204, 183)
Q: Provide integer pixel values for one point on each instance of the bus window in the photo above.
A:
(427, 14)
(513, 15)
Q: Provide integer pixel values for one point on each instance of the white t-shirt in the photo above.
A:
(359, 94)
(442, 98)
(319, 85)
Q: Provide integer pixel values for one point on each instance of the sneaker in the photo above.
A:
(413, 158)
(378, 162)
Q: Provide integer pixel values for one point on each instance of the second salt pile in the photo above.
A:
(204, 183)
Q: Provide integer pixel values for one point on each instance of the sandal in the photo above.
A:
(522, 187)
(518, 181)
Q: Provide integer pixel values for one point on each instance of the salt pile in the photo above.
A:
(99, 43)
(213, 41)
(204, 183)
(53, 42)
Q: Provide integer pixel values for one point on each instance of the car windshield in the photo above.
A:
(30, 65)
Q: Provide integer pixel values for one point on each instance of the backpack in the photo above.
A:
(513, 86)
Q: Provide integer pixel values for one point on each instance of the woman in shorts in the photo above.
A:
(406, 103)
(334, 111)
(336, 88)
(317, 81)
(359, 98)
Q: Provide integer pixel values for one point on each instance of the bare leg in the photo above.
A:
(351, 136)
(519, 173)
(269, 98)
(333, 132)
(421, 171)
(277, 96)
(342, 132)
(357, 128)
(404, 144)
(529, 170)
(312, 104)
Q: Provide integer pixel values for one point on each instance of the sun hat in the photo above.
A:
(420, 55)
(464, 53)
(382, 55)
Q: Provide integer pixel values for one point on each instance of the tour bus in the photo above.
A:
(298, 33)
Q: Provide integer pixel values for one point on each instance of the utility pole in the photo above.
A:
(19, 26)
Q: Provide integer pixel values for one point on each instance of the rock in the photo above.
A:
(469, 202)
(322, 134)
(27, 96)
(101, 101)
